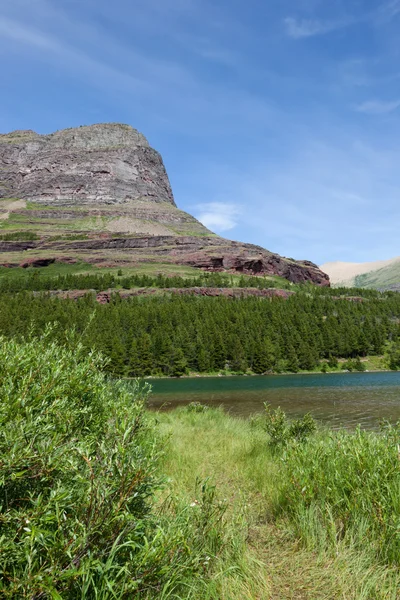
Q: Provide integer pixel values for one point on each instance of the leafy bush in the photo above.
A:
(77, 470)
(354, 364)
(392, 356)
(197, 407)
(281, 430)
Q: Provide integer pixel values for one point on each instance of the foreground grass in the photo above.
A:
(269, 552)
(102, 500)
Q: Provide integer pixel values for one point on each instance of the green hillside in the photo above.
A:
(385, 278)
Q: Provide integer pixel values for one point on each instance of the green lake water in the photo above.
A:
(336, 400)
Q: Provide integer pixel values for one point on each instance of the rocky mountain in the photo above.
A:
(101, 164)
(380, 274)
(100, 194)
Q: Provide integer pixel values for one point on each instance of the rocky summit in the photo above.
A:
(98, 164)
(100, 194)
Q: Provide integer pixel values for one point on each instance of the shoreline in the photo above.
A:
(228, 375)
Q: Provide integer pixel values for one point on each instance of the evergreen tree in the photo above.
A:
(145, 357)
(179, 363)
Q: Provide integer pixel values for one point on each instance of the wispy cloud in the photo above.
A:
(218, 216)
(298, 28)
(304, 28)
(378, 107)
(13, 30)
(97, 57)
(71, 57)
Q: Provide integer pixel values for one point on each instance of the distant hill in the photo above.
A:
(100, 194)
(381, 274)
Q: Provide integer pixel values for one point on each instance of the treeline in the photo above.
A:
(172, 335)
(40, 281)
(13, 281)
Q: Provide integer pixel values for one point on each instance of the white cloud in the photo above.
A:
(378, 107)
(219, 216)
(304, 28)
(300, 28)
(136, 76)
(66, 55)
(15, 31)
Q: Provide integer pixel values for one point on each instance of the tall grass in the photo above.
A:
(305, 507)
(345, 486)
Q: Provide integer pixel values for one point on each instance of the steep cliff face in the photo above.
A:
(97, 164)
(100, 194)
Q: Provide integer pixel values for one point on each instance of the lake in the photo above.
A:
(336, 399)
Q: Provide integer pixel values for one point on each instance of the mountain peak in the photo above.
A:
(101, 163)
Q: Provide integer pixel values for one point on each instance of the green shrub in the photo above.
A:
(353, 364)
(281, 431)
(77, 471)
(392, 356)
(197, 407)
(20, 236)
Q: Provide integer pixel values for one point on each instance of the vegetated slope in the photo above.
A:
(381, 274)
(386, 278)
(100, 194)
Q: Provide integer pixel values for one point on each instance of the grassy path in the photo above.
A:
(272, 564)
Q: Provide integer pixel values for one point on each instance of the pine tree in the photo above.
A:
(292, 362)
(264, 357)
(145, 356)
(134, 366)
(179, 363)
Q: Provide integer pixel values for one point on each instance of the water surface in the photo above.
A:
(336, 399)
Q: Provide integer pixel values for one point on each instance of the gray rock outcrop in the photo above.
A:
(102, 164)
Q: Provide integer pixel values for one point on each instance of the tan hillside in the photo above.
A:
(380, 273)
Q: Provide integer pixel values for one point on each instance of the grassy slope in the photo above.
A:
(382, 278)
(82, 268)
(49, 224)
(274, 563)
(56, 231)
(55, 220)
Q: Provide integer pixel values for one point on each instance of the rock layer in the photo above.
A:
(96, 164)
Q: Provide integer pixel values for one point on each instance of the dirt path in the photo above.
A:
(232, 454)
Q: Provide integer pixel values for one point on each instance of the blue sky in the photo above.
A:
(278, 120)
